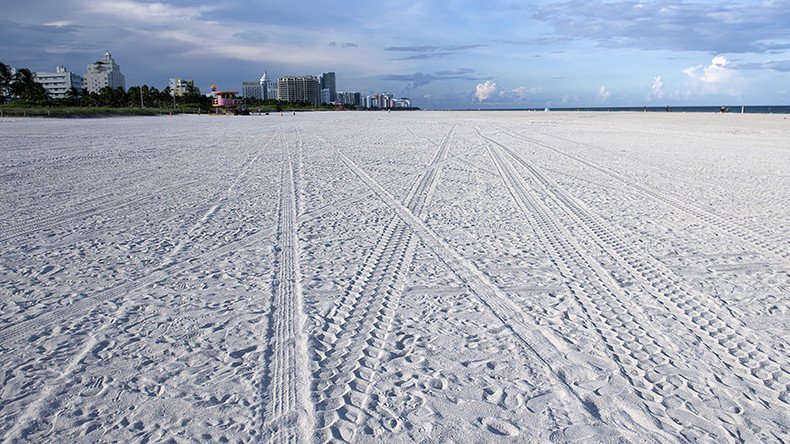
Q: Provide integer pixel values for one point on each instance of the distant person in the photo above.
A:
(666, 108)
(644, 109)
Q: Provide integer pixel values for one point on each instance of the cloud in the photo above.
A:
(522, 91)
(484, 90)
(421, 79)
(343, 45)
(656, 89)
(60, 37)
(716, 78)
(716, 73)
(735, 27)
(420, 52)
(459, 72)
(773, 65)
(603, 93)
(152, 13)
(546, 40)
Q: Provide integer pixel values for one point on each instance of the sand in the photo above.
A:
(396, 277)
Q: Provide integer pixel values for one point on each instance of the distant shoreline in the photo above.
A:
(94, 112)
(91, 112)
(733, 109)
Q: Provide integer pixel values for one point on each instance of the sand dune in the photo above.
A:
(416, 276)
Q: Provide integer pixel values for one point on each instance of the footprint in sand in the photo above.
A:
(499, 426)
(94, 386)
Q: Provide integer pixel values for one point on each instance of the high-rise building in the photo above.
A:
(299, 88)
(403, 102)
(349, 98)
(104, 72)
(328, 82)
(59, 82)
(251, 90)
(380, 100)
(181, 87)
(325, 96)
(268, 88)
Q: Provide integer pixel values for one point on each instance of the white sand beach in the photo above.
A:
(396, 277)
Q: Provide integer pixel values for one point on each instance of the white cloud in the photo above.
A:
(522, 91)
(58, 23)
(130, 10)
(719, 61)
(715, 78)
(715, 73)
(484, 90)
(603, 93)
(656, 89)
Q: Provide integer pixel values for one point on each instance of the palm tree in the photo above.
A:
(85, 97)
(72, 97)
(5, 81)
(26, 88)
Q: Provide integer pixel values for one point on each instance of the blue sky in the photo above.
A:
(441, 54)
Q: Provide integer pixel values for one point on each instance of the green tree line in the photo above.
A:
(26, 93)
(22, 86)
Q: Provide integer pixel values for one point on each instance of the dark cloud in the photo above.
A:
(52, 43)
(672, 24)
(343, 45)
(456, 72)
(547, 40)
(421, 79)
(412, 48)
(426, 55)
(421, 52)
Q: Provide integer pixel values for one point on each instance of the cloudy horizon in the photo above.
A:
(458, 54)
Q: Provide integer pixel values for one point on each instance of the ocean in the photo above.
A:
(751, 109)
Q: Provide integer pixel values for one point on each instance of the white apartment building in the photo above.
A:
(349, 98)
(59, 82)
(268, 87)
(180, 87)
(252, 90)
(104, 72)
(299, 88)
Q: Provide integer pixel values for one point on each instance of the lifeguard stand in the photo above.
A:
(224, 101)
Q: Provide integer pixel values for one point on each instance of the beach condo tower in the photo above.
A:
(224, 101)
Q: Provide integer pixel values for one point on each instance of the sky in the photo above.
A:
(454, 54)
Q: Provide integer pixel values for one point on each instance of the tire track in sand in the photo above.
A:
(534, 341)
(704, 317)
(646, 360)
(724, 224)
(168, 269)
(352, 338)
(287, 413)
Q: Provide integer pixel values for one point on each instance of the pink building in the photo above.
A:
(224, 101)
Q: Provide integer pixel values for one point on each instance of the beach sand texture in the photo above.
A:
(396, 277)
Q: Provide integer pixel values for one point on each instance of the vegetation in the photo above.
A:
(85, 111)
(26, 97)
(273, 105)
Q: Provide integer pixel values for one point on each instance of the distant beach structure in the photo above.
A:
(224, 101)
